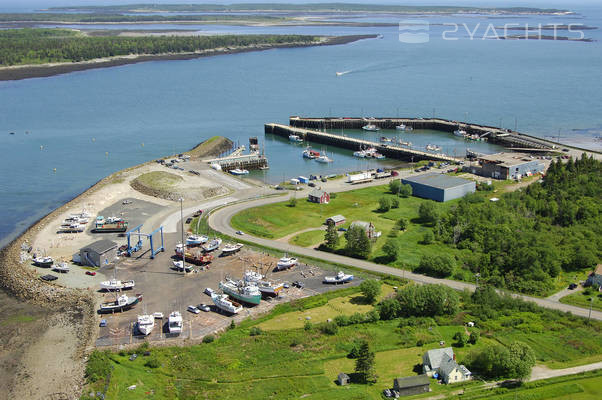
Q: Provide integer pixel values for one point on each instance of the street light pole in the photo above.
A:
(183, 243)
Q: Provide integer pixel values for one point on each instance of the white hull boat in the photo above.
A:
(238, 171)
(61, 267)
(196, 240)
(216, 166)
(286, 263)
(44, 262)
(460, 132)
(223, 302)
(340, 277)
(231, 248)
(324, 159)
(295, 138)
(212, 245)
(146, 323)
(114, 284)
(370, 128)
(122, 303)
(178, 265)
(401, 127)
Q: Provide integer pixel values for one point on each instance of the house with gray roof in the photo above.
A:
(443, 363)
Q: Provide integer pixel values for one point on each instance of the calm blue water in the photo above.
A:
(542, 86)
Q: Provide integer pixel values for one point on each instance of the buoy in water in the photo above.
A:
(41, 147)
(54, 169)
(94, 139)
(12, 133)
(106, 153)
(142, 144)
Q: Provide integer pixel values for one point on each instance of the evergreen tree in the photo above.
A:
(391, 249)
(331, 237)
(358, 243)
(364, 364)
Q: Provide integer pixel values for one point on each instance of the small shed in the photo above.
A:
(335, 220)
(99, 253)
(595, 278)
(343, 379)
(318, 196)
(411, 385)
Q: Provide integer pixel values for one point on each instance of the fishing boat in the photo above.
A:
(238, 171)
(324, 159)
(71, 228)
(252, 276)
(360, 154)
(44, 261)
(401, 127)
(61, 267)
(370, 128)
(122, 303)
(114, 284)
(197, 258)
(179, 265)
(295, 138)
(311, 154)
(340, 277)
(245, 292)
(378, 156)
(231, 248)
(175, 323)
(460, 132)
(286, 263)
(432, 147)
(409, 128)
(385, 139)
(216, 166)
(212, 245)
(75, 219)
(223, 302)
(196, 240)
(146, 323)
(110, 224)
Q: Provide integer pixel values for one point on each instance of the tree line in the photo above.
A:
(36, 46)
(90, 18)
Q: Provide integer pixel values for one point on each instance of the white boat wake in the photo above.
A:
(342, 73)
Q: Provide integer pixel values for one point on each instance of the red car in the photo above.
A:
(91, 273)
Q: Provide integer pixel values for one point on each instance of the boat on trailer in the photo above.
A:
(223, 302)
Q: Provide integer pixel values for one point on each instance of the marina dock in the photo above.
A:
(243, 161)
(388, 150)
(504, 137)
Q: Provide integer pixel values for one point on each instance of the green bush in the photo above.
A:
(208, 339)
(329, 328)
(255, 331)
(152, 362)
(98, 366)
(307, 326)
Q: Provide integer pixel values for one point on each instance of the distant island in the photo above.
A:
(27, 53)
(318, 7)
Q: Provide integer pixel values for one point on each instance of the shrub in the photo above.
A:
(208, 339)
(394, 202)
(342, 320)
(391, 249)
(232, 325)
(329, 328)
(474, 337)
(295, 342)
(439, 266)
(388, 309)
(98, 366)
(394, 186)
(403, 224)
(152, 362)
(307, 326)
(428, 237)
(405, 190)
(384, 204)
(371, 316)
(356, 318)
(255, 331)
(461, 339)
(428, 212)
(426, 301)
(371, 289)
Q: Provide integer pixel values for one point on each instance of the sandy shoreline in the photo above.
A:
(45, 70)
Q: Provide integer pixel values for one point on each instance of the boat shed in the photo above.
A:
(439, 187)
(318, 196)
(411, 385)
(101, 252)
(506, 166)
(335, 220)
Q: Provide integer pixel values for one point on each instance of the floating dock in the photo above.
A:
(388, 150)
(504, 137)
(243, 161)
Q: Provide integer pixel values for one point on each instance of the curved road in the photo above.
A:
(220, 221)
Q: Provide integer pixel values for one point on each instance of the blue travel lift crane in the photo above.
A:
(138, 246)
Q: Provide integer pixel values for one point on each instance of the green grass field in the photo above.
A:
(288, 361)
(582, 299)
(306, 239)
(159, 180)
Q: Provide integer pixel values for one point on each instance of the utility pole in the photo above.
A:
(591, 304)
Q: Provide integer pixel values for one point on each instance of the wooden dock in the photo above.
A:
(504, 137)
(388, 150)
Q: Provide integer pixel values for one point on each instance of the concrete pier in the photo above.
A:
(504, 137)
(388, 150)
(242, 161)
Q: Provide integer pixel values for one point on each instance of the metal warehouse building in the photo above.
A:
(507, 166)
(439, 187)
(98, 253)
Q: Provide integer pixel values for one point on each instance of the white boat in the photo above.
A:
(61, 267)
(324, 159)
(44, 261)
(309, 153)
(252, 276)
(340, 277)
(223, 302)
(146, 323)
(295, 138)
(360, 154)
(75, 219)
(84, 215)
(409, 128)
(122, 303)
(460, 132)
(231, 248)
(212, 245)
(216, 166)
(432, 147)
(114, 284)
(401, 127)
(370, 128)
(174, 322)
(286, 263)
(342, 73)
(378, 156)
(196, 240)
(385, 139)
(71, 228)
(238, 171)
(178, 265)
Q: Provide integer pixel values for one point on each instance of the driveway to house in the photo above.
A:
(220, 221)
(543, 372)
(564, 292)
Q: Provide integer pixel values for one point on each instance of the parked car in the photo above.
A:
(103, 323)
(188, 220)
(299, 284)
(91, 273)
(208, 291)
(286, 286)
(204, 307)
(572, 286)
(341, 229)
(311, 184)
(240, 233)
(133, 357)
(193, 309)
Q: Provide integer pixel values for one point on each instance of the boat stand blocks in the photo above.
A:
(136, 232)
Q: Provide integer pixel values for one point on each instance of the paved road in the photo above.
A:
(543, 372)
(220, 221)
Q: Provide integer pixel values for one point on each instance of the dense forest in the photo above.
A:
(36, 46)
(89, 18)
(524, 240)
(302, 7)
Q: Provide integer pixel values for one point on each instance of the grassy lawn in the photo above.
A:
(345, 305)
(582, 299)
(274, 221)
(306, 239)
